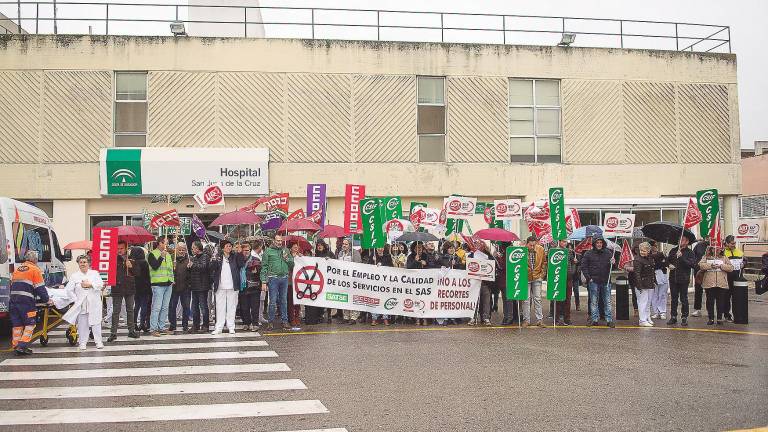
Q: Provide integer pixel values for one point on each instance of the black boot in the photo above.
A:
(112, 338)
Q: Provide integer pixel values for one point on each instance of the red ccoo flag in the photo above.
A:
(626, 255)
(692, 214)
(169, 218)
(584, 245)
(716, 234)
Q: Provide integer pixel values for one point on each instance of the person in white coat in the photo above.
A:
(85, 287)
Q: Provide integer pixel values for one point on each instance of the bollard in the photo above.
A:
(739, 303)
(622, 298)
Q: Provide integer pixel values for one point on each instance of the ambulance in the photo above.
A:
(24, 227)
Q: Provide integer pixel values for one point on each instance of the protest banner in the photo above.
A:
(459, 207)
(619, 224)
(517, 273)
(480, 207)
(708, 203)
(352, 196)
(209, 197)
(184, 228)
(557, 213)
(166, 218)
(104, 254)
(317, 201)
(557, 273)
(481, 269)
(373, 226)
(748, 230)
(431, 217)
(508, 209)
(430, 293)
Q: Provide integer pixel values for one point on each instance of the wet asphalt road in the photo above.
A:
(407, 378)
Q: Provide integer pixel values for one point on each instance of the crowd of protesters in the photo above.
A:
(252, 280)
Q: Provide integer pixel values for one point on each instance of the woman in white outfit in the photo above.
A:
(85, 288)
(226, 283)
(659, 294)
(643, 271)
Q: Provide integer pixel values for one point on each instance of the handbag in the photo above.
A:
(761, 285)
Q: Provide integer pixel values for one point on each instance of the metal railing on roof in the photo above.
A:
(142, 19)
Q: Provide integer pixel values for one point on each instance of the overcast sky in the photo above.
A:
(746, 18)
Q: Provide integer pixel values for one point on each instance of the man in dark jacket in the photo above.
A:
(140, 269)
(181, 289)
(681, 261)
(124, 289)
(199, 284)
(699, 249)
(596, 268)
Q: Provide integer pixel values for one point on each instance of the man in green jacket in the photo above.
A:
(275, 266)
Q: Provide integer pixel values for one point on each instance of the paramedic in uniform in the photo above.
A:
(26, 284)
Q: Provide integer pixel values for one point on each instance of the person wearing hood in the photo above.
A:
(681, 262)
(596, 271)
(199, 285)
(143, 288)
(643, 272)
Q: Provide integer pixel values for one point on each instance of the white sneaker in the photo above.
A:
(99, 346)
(663, 316)
(650, 321)
(215, 332)
(83, 348)
(696, 313)
(646, 324)
(655, 316)
(232, 331)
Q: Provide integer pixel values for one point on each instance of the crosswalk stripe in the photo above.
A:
(150, 389)
(225, 335)
(321, 430)
(163, 346)
(219, 355)
(161, 413)
(136, 372)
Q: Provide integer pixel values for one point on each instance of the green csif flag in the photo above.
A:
(708, 202)
(557, 213)
(517, 273)
(373, 226)
(557, 274)
(454, 225)
(393, 208)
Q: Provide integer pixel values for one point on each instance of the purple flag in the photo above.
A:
(273, 220)
(198, 227)
(316, 199)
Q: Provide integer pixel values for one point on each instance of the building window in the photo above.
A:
(753, 206)
(534, 120)
(430, 124)
(130, 111)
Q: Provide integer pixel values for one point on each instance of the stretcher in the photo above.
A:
(50, 316)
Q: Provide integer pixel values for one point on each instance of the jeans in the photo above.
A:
(679, 293)
(200, 310)
(601, 291)
(117, 305)
(535, 295)
(141, 312)
(375, 317)
(249, 307)
(278, 291)
(485, 302)
(161, 298)
(185, 297)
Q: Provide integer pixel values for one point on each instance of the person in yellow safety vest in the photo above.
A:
(27, 283)
(161, 279)
(737, 259)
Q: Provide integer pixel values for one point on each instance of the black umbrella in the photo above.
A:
(215, 235)
(667, 232)
(417, 237)
(110, 224)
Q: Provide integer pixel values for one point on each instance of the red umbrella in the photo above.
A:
(496, 234)
(134, 234)
(332, 231)
(237, 218)
(299, 225)
(79, 245)
(303, 243)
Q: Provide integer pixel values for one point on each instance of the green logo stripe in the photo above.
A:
(123, 171)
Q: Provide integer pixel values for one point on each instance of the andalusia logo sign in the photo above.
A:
(124, 171)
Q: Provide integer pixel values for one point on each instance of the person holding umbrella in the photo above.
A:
(681, 262)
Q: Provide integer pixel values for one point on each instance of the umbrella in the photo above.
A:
(497, 234)
(134, 234)
(299, 225)
(417, 237)
(215, 235)
(585, 231)
(332, 231)
(79, 245)
(303, 243)
(667, 232)
(237, 217)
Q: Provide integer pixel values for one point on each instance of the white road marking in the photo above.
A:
(150, 389)
(148, 336)
(163, 346)
(161, 413)
(222, 355)
(131, 372)
(321, 430)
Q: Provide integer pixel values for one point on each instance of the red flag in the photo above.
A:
(692, 214)
(104, 254)
(298, 214)
(273, 202)
(316, 216)
(584, 245)
(470, 242)
(416, 217)
(168, 218)
(575, 219)
(626, 255)
(716, 234)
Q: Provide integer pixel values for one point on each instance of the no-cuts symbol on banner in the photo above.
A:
(309, 282)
